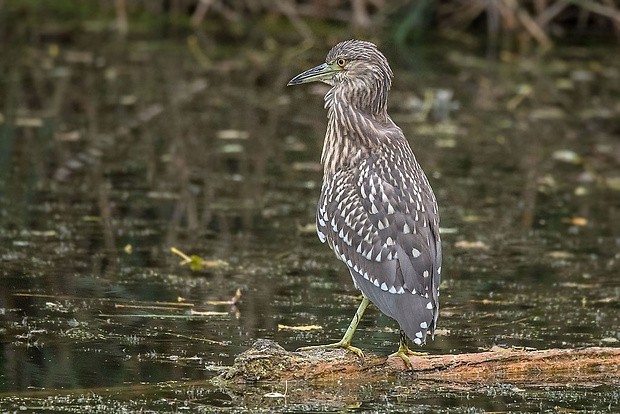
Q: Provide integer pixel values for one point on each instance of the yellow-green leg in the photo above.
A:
(404, 351)
(345, 342)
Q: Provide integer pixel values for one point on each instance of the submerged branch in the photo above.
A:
(266, 360)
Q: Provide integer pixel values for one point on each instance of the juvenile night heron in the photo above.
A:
(377, 210)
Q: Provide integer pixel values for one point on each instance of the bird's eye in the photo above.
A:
(341, 62)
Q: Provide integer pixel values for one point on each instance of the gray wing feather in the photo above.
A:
(378, 220)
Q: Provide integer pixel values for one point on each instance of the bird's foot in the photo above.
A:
(414, 353)
(404, 352)
(339, 344)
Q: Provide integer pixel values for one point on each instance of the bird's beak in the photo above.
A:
(318, 73)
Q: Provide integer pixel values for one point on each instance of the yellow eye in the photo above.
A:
(341, 62)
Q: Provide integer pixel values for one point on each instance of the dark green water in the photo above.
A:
(112, 153)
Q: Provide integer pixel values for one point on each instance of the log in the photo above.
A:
(268, 361)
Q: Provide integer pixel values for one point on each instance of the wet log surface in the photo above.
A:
(266, 360)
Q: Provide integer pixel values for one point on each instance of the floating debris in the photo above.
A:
(232, 134)
(232, 301)
(567, 156)
(307, 166)
(464, 244)
(575, 221)
(29, 122)
(309, 228)
(196, 263)
(613, 183)
(299, 327)
(559, 255)
(69, 136)
(547, 113)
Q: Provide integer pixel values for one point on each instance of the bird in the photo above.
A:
(377, 210)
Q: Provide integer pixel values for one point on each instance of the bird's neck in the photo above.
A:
(368, 96)
(357, 124)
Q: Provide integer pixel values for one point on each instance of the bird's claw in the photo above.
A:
(404, 352)
(404, 356)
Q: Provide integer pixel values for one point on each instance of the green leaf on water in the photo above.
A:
(196, 263)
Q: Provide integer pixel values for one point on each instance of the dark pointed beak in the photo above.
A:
(317, 73)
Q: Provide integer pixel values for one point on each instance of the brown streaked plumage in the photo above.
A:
(377, 210)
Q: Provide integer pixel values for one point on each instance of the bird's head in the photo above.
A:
(355, 66)
(352, 60)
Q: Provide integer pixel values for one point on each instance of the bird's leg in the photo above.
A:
(345, 342)
(404, 351)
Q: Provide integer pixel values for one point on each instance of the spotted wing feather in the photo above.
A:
(380, 219)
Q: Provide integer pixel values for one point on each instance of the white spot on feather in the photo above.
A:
(415, 252)
(423, 325)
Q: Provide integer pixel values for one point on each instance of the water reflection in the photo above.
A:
(110, 157)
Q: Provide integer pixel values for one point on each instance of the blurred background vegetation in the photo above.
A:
(523, 26)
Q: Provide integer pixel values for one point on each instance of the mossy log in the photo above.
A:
(267, 360)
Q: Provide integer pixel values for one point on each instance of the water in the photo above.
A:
(112, 153)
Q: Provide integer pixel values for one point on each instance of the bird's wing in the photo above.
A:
(381, 219)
